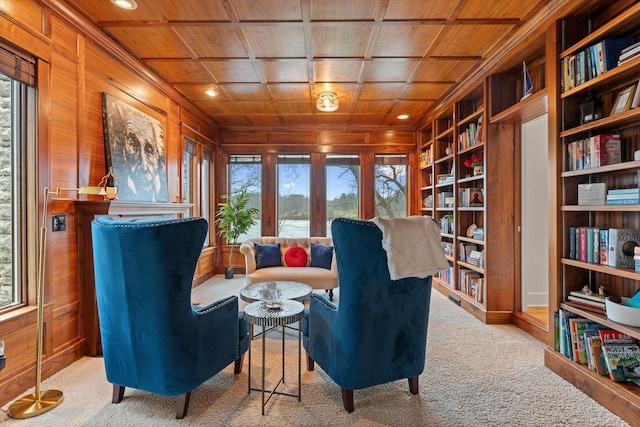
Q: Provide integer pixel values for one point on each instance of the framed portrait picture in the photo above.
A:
(623, 100)
(134, 147)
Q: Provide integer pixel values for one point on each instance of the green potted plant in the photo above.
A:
(233, 219)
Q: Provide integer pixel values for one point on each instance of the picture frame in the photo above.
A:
(623, 100)
(134, 148)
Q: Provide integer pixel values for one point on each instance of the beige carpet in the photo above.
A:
(475, 375)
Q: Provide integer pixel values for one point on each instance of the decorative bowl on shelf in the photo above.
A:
(621, 313)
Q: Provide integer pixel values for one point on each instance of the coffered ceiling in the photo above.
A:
(269, 59)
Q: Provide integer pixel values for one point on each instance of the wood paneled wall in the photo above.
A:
(72, 74)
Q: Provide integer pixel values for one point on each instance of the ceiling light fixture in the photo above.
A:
(211, 92)
(327, 102)
(125, 4)
(403, 116)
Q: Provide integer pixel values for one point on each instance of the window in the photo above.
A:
(17, 145)
(294, 206)
(205, 180)
(245, 173)
(343, 187)
(391, 185)
(187, 172)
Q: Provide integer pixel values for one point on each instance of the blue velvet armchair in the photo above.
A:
(378, 332)
(153, 339)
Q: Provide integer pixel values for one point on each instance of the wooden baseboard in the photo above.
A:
(11, 388)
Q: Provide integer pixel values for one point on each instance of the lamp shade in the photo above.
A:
(327, 102)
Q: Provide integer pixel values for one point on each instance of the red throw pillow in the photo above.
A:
(295, 256)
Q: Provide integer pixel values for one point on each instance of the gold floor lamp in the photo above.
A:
(39, 402)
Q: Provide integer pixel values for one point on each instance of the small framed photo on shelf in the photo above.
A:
(623, 100)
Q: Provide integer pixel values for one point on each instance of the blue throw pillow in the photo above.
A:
(268, 255)
(321, 256)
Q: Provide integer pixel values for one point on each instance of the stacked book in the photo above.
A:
(622, 196)
(587, 301)
(629, 53)
(636, 258)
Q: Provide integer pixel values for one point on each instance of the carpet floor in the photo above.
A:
(475, 375)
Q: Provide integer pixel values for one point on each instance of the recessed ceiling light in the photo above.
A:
(125, 4)
(211, 92)
(403, 116)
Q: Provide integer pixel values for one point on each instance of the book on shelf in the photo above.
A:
(591, 62)
(595, 151)
(623, 362)
(586, 244)
(581, 329)
(586, 301)
(604, 246)
(593, 347)
(582, 306)
(588, 296)
(629, 52)
(476, 258)
(622, 242)
(622, 196)
(611, 336)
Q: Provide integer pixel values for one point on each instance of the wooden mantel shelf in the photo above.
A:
(128, 209)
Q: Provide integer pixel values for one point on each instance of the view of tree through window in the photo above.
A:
(245, 173)
(17, 132)
(343, 187)
(294, 208)
(391, 185)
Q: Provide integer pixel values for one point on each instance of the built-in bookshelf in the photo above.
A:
(604, 21)
(467, 209)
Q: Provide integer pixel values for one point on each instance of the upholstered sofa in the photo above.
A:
(318, 277)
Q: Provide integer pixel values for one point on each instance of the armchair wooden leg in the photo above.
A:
(118, 393)
(237, 367)
(347, 399)
(183, 405)
(310, 363)
(413, 385)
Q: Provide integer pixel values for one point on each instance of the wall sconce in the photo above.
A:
(590, 109)
(327, 102)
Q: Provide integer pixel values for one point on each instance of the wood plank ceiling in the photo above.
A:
(269, 59)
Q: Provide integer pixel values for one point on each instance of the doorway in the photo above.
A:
(534, 223)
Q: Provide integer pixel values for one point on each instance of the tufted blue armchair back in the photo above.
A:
(153, 339)
(378, 331)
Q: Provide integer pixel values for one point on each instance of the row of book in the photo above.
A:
(446, 275)
(445, 199)
(469, 253)
(426, 157)
(445, 225)
(594, 152)
(471, 197)
(471, 283)
(472, 135)
(447, 248)
(591, 62)
(603, 350)
(607, 246)
(622, 196)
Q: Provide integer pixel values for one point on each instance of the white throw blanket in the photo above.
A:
(412, 245)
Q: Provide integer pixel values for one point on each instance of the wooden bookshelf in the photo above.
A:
(606, 20)
(455, 134)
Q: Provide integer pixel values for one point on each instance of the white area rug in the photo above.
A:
(475, 375)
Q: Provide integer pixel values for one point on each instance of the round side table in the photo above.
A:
(258, 315)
